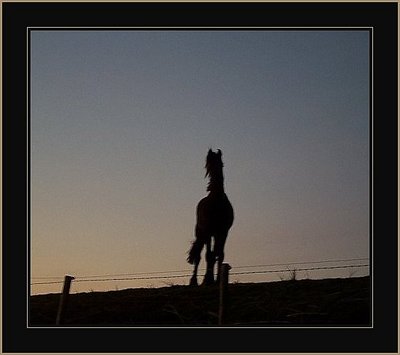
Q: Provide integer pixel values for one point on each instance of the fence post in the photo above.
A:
(223, 287)
(63, 299)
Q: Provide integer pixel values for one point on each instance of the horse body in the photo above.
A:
(214, 215)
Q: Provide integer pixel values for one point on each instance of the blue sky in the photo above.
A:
(121, 122)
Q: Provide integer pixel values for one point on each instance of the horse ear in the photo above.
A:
(220, 152)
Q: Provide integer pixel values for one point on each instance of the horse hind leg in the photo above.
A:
(193, 279)
(194, 258)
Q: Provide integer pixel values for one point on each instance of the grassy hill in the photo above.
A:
(328, 302)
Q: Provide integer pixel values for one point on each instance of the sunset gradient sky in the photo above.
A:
(121, 122)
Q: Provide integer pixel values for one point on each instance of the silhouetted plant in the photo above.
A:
(351, 273)
(293, 275)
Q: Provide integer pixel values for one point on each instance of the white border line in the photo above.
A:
(215, 29)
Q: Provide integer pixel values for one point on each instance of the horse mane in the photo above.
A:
(213, 168)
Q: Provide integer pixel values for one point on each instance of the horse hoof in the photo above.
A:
(208, 281)
(193, 282)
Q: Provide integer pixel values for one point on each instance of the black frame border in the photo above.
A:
(19, 16)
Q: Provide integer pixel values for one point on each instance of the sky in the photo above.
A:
(121, 122)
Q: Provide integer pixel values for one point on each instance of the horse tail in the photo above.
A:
(194, 252)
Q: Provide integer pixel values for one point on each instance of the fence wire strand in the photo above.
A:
(87, 279)
(203, 269)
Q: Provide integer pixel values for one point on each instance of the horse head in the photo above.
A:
(213, 162)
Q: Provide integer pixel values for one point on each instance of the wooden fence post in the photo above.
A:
(63, 299)
(223, 288)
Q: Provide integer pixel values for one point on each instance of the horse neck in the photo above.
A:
(216, 184)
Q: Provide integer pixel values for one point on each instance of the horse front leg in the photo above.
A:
(210, 259)
(219, 251)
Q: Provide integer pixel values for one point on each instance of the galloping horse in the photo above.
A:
(214, 218)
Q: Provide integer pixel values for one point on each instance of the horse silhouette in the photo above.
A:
(214, 219)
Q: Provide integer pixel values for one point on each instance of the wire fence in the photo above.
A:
(175, 274)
